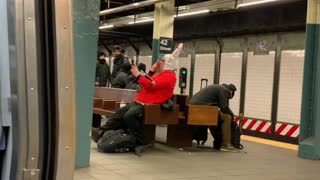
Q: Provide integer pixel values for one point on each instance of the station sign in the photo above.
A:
(165, 45)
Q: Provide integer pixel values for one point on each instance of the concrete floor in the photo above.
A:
(256, 161)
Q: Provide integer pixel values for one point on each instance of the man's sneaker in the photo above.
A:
(96, 134)
(228, 147)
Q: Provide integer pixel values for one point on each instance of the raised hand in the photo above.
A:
(135, 71)
(155, 66)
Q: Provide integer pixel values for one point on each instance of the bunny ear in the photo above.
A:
(176, 53)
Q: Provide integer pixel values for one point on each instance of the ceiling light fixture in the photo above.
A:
(192, 13)
(141, 21)
(179, 15)
(106, 26)
(255, 3)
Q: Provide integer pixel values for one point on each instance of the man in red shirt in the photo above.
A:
(156, 88)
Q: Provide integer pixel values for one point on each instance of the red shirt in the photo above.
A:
(162, 91)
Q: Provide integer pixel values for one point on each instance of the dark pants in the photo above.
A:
(216, 134)
(129, 118)
(96, 120)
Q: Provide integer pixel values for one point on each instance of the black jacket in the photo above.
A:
(103, 74)
(121, 80)
(132, 83)
(117, 65)
(213, 95)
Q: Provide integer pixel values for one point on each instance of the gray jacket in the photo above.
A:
(213, 95)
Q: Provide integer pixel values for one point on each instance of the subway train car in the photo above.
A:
(37, 96)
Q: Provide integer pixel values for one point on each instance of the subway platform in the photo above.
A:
(260, 159)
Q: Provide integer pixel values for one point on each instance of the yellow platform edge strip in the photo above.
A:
(270, 142)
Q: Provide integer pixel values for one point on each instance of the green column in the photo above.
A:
(86, 23)
(309, 146)
(162, 26)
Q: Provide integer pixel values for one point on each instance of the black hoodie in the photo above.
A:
(102, 73)
(122, 78)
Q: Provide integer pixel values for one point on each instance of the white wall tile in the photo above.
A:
(230, 72)
(290, 89)
(258, 100)
(204, 69)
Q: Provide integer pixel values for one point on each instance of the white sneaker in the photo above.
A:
(228, 147)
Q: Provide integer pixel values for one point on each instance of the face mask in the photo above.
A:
(102, 60)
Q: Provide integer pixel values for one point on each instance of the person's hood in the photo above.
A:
(126, 68)
(230, 87)
(171, 60)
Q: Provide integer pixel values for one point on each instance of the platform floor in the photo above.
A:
(257, 161)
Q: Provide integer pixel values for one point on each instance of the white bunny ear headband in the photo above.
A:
(171, 60)
(176, 53)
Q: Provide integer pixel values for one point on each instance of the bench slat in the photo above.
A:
(103, 112)
(97, 102)
(110, 105)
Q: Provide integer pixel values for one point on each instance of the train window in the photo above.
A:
(290, 87)
(259, 86)
(230, 72)
(204, 69)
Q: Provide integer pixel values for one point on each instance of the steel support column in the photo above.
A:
(85, 33)
(309, 146)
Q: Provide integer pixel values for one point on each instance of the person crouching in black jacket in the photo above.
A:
(122, 78)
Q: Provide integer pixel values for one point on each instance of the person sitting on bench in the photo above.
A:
(218, 95)
(156, 88)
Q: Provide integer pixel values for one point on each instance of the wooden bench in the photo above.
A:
(153, 115)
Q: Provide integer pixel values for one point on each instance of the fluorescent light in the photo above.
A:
(136, 4)
(179, 15)
(141, 21)
(192, 13)
(255, 3)
(183, 8)
(106, 26)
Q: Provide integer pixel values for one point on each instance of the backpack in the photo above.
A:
(235, 135)
(116, 141)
